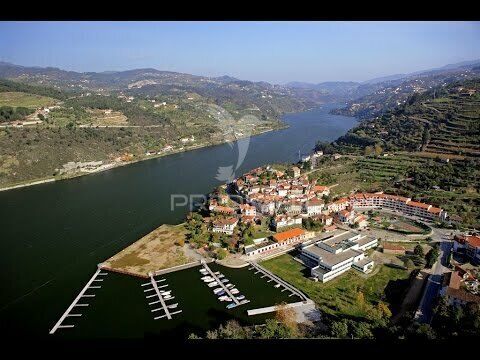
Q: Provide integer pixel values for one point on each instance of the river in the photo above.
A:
(53, 235)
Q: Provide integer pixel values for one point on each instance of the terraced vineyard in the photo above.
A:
(460, 133)
(387, 168)
(442, 122)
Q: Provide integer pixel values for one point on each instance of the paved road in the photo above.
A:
(424, 313)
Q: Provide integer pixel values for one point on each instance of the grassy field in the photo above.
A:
(20, 99)
(156, 250)
(339, 297)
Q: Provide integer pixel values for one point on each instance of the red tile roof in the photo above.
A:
(418, 204)
(287, 235)
(473, 241)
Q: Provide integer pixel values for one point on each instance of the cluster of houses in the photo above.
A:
(288, 199)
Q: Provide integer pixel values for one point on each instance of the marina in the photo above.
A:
(97, 222)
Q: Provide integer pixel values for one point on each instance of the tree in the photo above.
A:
(221, 254)
(384, 309)
(248, 241)
(424, 331)
(418, 250)
(368, 150)
(232, 330)
(378, 149)
(339, 329)
(360, 299)
(326, 147)
(431, 257)
(408, 263)
(41, 117)
(362, 330)
(212, 334)
(274, 330)
(288, 317)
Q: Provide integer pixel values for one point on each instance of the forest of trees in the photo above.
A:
(7, 85)
(8, 113)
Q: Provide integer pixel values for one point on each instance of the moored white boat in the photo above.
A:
(241, 297)
(217, 290)
(212, 284)
(234, 291)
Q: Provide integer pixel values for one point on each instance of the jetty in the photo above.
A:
(75, 303)
(286, 286)
(158, 295)
(227, 291)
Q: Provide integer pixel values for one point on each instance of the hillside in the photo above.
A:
(377, 97)
(441, 122)
(427, 148)
(122, 116)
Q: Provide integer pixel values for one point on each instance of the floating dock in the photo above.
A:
(286, 286)
(160, 299)
(75, 303)
(227, 290)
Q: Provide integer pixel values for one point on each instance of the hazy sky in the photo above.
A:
(277, 52)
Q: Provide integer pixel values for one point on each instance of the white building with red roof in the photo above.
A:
(470, 244)
(225, 226)
(313, 207)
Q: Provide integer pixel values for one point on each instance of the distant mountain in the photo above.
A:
(349, 90)
(390, 94)
(225, 79)
(385, 78)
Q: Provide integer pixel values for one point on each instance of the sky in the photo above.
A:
(277, 52)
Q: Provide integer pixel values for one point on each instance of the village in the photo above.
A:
(271, 211)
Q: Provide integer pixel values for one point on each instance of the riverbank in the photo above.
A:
(78, 224)
(113, 165)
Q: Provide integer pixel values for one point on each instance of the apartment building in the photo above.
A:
(335, 253)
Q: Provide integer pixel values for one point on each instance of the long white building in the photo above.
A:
(337, 252)
(397, 203)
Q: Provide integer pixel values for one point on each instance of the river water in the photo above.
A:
(52, 236)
